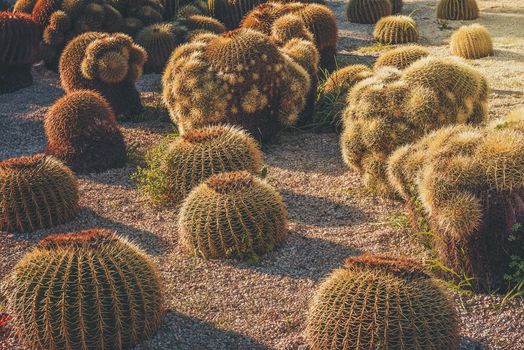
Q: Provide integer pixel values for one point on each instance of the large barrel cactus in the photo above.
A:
(85, 290)
(368, 11)
(402, 56)
(232, 215)
(457, 9)
(107, 63)
(176, 166)
(19, 38)
(82, 131)
(473, 41)
(396, 30)
(395, 108)
(238, 77)
(36, 192)
(465, 184)
(231, 12)
(381, 302)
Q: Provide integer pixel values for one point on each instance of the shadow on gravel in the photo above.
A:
(183, 332)
(303, 257)
(320, 211)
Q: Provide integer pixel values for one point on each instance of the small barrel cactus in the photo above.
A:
(335, 89)
(19, 38)
(238, 77)
(231, 12)
(457, 9)
(368, 11)
(177, 166)
(197, 24)
(85, 290)
(396, 30)
(107, 63)
(468, 182)
(159, 40)
(402, 56)
(82, 131)
(132, 26)
(232, 215)
(471, 42)
(318, 19)
(381, 302)
(37, 192)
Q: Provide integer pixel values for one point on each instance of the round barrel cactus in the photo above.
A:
(82, 131)
(368, 11)
(473, 42)
(107, 63)
(457, 9)
(36, 192)
(232, 215)
(381, 302)
(177, 166)
(231, 12)
(402, 56)
(396, 30)
(85, 290)
(239, 78)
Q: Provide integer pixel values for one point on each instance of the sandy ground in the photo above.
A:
(231, 305)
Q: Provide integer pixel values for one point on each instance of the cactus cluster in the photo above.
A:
(85, 290)
(64, 20)
(457, 9)
(36, 192)
(238, 77)
(469, 183)
(19, 39)
(396, 30)
(368, 11)
(394, 108)
(318, 19)
(402, 56)
(107, 63)
(146, 11)
(335, 89)
(176, 166)
(159, 40)
(473, 42)
(381, 302)
(82, 131)
(232, 215)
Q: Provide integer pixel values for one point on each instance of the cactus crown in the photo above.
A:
(87, 239)
(230, 182)
(399, 266)
(402, 57)
(13, 165)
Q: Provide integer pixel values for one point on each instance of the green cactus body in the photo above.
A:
(471, 42)
(85, 290)
(457, 9)
(159, 41)
(368, 11)
(244, 217)
(396, 30)
(381, 302)
(231, 12)
(107, 63)
(19, 37)
(132, 26)
(468, 182)
(402, 56)
(238, 77)
(82, 131)
(396, 6)
(148, 11)
(35, 193)
(176, 167)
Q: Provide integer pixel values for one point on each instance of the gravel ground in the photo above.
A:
(231, 305)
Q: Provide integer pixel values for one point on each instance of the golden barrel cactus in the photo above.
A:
(176, 166)
(457, 9)
(381, 302)
(82, 131)
(368, 11)
(107, 63)
(402, 56)
(238, 77)
(85, 290)
(396, 30)
(473, 42)
(232, 215)
(36, 192)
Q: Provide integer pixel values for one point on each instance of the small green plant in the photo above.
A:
(443, 24)
(515, 277)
